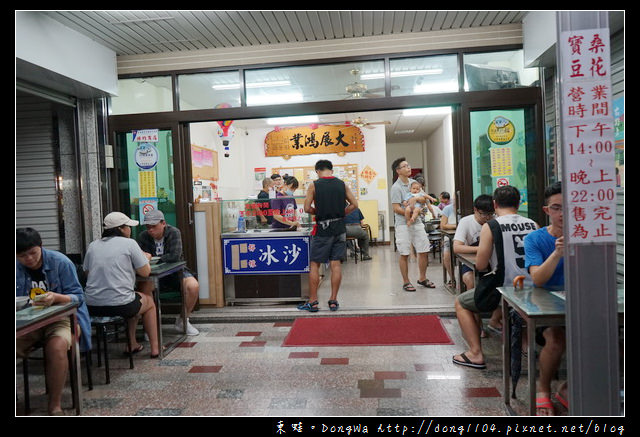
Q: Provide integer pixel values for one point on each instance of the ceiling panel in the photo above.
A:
(135, 32)
(130, 32)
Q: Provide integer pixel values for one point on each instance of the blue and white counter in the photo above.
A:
(266, 266)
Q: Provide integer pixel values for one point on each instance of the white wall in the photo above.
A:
(439, 152)
(48, 44)
(247, 153)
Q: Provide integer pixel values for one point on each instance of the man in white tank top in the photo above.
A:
(514, 228)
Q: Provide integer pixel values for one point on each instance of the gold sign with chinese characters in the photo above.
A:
(307, 140)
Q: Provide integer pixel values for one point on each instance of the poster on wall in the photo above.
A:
(589, 140)
(307, 140)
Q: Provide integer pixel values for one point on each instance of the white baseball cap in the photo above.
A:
(117, 219)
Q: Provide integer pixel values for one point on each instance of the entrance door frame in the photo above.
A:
(181, 173)
(520, 98)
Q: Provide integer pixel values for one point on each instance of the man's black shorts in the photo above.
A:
(332, 248)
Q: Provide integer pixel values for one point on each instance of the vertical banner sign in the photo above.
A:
(588, 136)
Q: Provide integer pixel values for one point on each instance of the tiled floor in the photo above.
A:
(239, 368)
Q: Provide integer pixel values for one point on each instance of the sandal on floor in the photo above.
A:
(333, 305)
(543, 402)
(135, 351)
(312, 307)
(408, 287)
(427, 283)
(468, 363)
(562, 400)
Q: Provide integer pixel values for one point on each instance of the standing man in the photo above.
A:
(544, 258)
(163, 240)
(329, 195)
(408, 235)
(53, 276)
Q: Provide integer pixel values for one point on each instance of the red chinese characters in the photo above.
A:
(588, 135)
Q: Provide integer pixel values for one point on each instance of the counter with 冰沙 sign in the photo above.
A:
(266, 265)
(263, 263)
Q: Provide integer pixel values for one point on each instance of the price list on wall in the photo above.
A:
(588, 136)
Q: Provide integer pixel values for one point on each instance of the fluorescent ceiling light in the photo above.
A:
(404, 131)
(440, 110)
(436, 87)
(274, 99)
(301, 119)
(370, 76)
(231, 86)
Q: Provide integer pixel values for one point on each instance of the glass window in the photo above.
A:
(353, 80)
(425, 75)
(497, 70)
(143, 94)
(209, 90)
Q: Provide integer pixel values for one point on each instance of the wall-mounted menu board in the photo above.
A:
(306, 175)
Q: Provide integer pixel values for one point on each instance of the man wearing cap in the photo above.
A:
(165, 241)
(112, 264)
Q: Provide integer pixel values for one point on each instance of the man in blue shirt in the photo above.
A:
(52, 275)
(353, 221)
(544, 258)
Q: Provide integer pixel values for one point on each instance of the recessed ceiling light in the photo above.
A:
(404, 131)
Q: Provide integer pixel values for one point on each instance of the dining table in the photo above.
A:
(31, 318)
(448, 234)
(469, 260)
(537, 307)
(158, 271)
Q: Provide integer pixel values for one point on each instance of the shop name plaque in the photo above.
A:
(307, 140)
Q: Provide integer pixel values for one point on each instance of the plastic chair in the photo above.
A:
(101, 325)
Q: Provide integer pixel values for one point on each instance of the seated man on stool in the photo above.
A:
(163, 240)
(353, 221)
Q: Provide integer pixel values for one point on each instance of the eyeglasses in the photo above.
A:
(555, 207)
(404, 166)
(486, 214)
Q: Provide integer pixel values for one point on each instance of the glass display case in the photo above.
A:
(258, 214)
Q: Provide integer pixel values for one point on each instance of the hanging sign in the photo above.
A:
(307, 140)
(588, 136)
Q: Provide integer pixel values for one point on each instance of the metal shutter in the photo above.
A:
(36, 188)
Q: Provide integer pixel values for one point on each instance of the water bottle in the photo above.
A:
(241, 223)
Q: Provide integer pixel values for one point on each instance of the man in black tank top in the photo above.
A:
(328, 242)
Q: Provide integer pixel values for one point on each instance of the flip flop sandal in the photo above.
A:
(467, 362)
(135, 351)
(544, 402)
(333, 305)
(312, 307)
(408, 287)
(562, 400)
(427, 283)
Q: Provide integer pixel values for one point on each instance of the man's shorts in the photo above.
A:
(173, 282)
(126, 311)
(414, 235)
(333, 248)
(61, 328)
(467, 301)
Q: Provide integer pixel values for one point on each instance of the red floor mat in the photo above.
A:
(367, 331)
